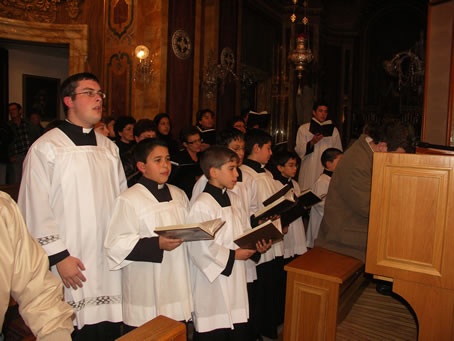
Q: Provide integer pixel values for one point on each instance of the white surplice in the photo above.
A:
(311, 164)
(219, 301)
(149, 289)
(320, 188)
(295, 239)
(66, 196)
(266, 187)
(247, 191)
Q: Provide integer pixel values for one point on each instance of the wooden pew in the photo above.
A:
(161, 328)
(321, 288)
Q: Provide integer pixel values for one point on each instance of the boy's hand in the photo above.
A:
(262, 246)
(70, 274)
(316, 138)
(169, 244)
(285, 229)
(243, 254)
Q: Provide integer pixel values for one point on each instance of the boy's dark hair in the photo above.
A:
(18, 106)
(281, 158)
(319, 104)
(228, 135)
(216, 157)
(202, 112)
(393, 132)
(253, 137)
(186, 132)
(143, 126)
(329, 155)
(69, 85)
(122, 122)
(145, 147)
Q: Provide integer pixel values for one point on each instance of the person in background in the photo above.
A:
(21, 142)
(238, 123)
(26, 277)
(164, 132)
(109, 121)
(72, 176)
(6, 137)
(330, 158)
(101, 128)
(310, 147)
(187, 170)
(36, 128)
(206, 125)
(124, 131)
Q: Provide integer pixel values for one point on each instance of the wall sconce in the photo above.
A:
(144, 68)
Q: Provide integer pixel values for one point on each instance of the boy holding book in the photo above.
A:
(310, 146)
(270, 272)
(330, 158)
(155, 270)
(295, 239)
(218, 272)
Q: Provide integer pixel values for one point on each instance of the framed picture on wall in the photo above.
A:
(40, 95)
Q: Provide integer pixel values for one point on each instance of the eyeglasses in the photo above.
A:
(195, 141)
(92, 93)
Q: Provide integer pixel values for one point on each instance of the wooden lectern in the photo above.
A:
(411, 235)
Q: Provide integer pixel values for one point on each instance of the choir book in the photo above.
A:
(325, 128)
(267, 231)
(191, 232)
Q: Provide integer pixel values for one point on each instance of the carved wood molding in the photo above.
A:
(44, 11)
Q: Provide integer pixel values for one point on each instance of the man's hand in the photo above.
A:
(243, 254)
(262, 246)
(316, 138)
(169, 244)
(70, 272)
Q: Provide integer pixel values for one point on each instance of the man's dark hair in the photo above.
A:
(281, 158)
(202, 112)
(319, 104)
(69, 85)
(121, 122)
(18, 106)
(216, 157)
(186, 132)
(393, 132)
(143, 126)
(145, 147)
(329, 155)
(253, 137)
(228, 135)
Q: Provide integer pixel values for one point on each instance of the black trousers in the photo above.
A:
(239, 333)
(103, 331)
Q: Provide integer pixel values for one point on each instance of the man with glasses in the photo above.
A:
(71, 177)
(187, 167)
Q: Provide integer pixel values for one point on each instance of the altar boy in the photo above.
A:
(155, 269)
(218, 272)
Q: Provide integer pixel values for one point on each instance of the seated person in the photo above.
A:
(26, 277)
(163, 125)
(330, 158)
(123, 127)
(206, 124)
(187, 168)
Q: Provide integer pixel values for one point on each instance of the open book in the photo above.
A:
(285, 202)
(325, 128)
(260, 119)
(265, 231)
(191, 232)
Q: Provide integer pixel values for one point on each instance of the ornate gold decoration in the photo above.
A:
(181, 44)
(44, 11)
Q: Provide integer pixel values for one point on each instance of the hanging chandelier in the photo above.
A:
(302, 54)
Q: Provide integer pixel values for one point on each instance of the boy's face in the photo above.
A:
(193, 144)
(157, 167)
(226, 176)
(288, 170)
(145, 135)
(321, 113)
(331, 165)
(238, 147)
(207, 121)
(263, 154)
